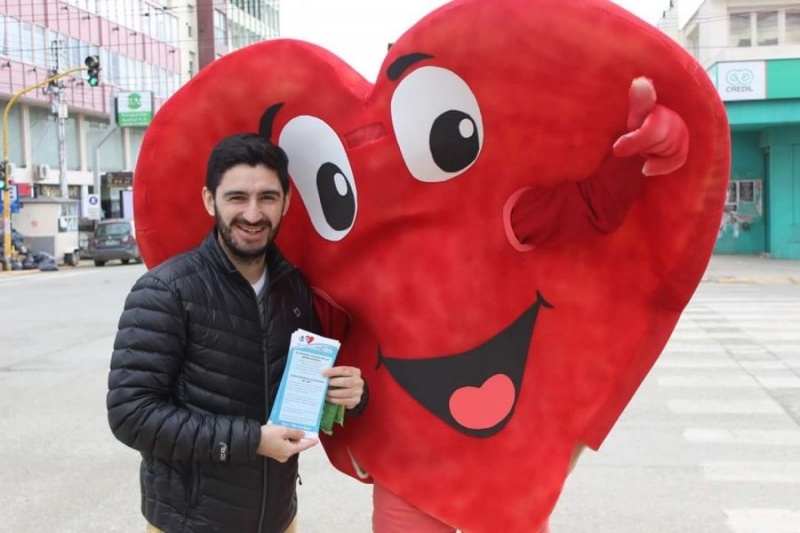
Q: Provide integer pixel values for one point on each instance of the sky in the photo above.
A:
(358, 31)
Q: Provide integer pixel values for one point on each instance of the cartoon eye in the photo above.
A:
(321, 172)
(438, 124)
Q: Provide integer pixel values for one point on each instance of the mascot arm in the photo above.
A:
(657, 136)
(333, 321)
(551, 216)
(329, 319)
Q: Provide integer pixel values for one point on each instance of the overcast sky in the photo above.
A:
(359, 30)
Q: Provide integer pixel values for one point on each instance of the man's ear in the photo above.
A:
(208, 201)
(286, 200)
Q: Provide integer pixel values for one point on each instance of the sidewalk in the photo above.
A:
(721, 269)
(83, 263)
(752, 269)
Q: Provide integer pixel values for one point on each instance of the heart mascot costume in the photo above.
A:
(514, 215)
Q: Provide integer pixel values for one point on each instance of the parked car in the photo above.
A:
(114, 239)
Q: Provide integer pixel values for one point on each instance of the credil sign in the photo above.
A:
(742, 80)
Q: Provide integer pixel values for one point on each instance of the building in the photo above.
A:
(226, 26)
(147, 49)
(751, 50)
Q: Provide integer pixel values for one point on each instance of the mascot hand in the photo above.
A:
(655, 132)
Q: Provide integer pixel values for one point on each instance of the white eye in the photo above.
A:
(438, 124)
(320, 170)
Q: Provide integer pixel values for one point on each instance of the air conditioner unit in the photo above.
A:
(41, 172)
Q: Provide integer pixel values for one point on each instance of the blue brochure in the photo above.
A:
(301, 395)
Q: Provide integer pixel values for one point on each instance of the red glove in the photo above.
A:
(656, 132)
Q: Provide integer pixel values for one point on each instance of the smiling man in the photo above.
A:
(199, 355)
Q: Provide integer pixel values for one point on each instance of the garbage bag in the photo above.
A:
(48, 265)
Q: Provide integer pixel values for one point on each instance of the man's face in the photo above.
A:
(248, 206)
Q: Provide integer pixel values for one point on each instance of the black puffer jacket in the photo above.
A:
(193, 374)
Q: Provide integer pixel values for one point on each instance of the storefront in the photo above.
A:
(762, 212)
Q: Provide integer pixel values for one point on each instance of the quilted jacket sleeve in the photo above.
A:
(148, 354)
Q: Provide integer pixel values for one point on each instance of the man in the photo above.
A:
(200, 352)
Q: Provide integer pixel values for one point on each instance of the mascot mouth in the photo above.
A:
(475, 391)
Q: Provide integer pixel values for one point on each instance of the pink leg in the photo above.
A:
(391, 514)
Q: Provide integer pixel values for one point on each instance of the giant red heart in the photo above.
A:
(405, 190)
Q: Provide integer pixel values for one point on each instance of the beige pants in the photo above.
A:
(291, 529)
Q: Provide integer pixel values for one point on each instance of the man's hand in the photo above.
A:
(655, 132)
(280, 443)
(346, 385)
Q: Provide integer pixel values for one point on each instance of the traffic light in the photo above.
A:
(3, 177)
(93, 64)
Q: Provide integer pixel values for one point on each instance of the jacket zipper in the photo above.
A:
(264, 345)
(263, 319)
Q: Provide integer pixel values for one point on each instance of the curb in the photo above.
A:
(10, 274)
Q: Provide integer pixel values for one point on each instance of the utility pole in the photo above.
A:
(59, 108)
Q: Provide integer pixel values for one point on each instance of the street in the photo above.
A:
(710, 443)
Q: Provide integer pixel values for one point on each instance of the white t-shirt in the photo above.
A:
(258, 285)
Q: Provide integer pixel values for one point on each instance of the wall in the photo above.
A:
(784, 192)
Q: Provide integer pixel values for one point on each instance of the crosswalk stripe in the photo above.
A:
(711, 382)
(754, 472)
(763, 520)
(744, 436)
(739, 407)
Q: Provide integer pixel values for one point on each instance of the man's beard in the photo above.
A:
(244, 255)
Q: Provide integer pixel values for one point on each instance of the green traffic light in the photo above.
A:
(93, 70)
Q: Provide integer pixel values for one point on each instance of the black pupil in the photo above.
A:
(339, 209)
(452, 152)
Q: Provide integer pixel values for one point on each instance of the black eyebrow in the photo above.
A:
(402, 63)
(268, 120)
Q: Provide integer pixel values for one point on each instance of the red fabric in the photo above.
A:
(334, 320)
(391, 514)
(424, 265)
(550, 216)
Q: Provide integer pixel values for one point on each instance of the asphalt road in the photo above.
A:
(711, 443)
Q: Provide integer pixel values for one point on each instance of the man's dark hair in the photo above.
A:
(248, 149)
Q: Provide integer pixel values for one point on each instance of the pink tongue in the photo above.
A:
(485, 406)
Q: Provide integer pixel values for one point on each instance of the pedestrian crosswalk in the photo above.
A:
(730, 377)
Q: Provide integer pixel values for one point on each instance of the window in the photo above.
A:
(220, 27)
(112, 153)
(767, 28)
(175, 36)
(44, 139)
(147, 79)
(793, 25)
(740, 29)
(3, 46)
(192, 63)
(27, 42)
(74, 53)
(84, 53)
(15, 136)
(124, 79)
(115, 76)
(764, 28)
(40, 46)
(13, 31)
